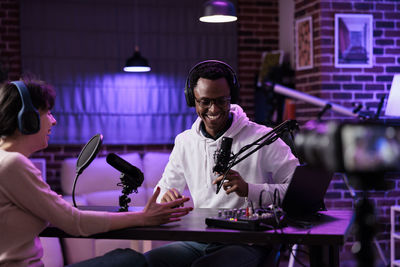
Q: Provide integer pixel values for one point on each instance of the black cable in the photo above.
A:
(357, 108)
(380, 105)
(299, 223)
(275, 209)
(301, 251)
(327, 107)
(277, 198)
(260, 198)
(296, 258)
(275, 206)
(277, 258)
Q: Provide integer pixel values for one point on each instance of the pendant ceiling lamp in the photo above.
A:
(218, 11)
(137, 63)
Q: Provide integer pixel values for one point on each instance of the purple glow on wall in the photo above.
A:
(82, 50)
(125, 108)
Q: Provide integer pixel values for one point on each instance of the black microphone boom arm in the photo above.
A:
(270, 137)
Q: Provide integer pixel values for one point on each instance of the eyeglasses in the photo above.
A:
(221, 102)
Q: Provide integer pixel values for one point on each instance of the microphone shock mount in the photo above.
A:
(129, 185)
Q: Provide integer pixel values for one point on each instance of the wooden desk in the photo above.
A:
(323, 239)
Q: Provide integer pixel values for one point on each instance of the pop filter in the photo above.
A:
(86, 156)
(88, 153)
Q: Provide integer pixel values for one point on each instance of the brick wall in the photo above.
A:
(257, 32)
(346, 86)
(10, 51)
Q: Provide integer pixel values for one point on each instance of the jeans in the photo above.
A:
(115, 258)
(183, 254)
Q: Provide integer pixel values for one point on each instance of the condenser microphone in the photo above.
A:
(135, 175)
(222, 157)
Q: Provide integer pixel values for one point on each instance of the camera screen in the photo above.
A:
(370, 148)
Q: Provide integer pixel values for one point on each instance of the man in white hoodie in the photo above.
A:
(212, 88)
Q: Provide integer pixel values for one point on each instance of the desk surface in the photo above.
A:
(331, 228)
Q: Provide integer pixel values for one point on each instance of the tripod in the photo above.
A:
(365, 223)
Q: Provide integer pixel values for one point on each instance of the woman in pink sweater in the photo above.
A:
(28, 205)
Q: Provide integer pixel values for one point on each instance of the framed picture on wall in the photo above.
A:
(353, 40)
(304, 43)
(269, 59)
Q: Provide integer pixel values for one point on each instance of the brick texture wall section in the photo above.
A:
(346, 86)
(349, 86)
(257, 33)
(10, 51)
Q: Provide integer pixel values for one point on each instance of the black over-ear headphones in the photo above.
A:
(189, 95)
(28, 116)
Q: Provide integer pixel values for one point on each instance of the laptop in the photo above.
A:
(392, 107)
(305, 194)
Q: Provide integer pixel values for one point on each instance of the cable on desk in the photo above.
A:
(274, 208)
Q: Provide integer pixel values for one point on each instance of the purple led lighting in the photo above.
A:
(137, 69)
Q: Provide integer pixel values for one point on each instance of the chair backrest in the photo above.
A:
(153, 167)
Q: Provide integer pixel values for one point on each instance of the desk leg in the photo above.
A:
(321, 256)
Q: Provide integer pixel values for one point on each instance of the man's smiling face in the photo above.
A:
(215, 93)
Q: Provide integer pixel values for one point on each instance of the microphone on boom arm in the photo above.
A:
(227, 161)
(222, 157)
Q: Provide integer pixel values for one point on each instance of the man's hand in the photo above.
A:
(234, 183)
(156, 214)
(171, 195)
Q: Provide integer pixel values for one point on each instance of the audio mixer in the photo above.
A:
(240, 219)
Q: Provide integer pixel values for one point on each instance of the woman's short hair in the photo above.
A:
(42, 96)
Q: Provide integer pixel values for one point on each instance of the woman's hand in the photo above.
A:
(160, 213)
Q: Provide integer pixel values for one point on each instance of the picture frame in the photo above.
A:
(353, 40)
(269, 59)
(304, 43)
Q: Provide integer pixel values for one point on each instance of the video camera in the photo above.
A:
(363, 150)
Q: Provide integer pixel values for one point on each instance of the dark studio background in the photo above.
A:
(81, 46)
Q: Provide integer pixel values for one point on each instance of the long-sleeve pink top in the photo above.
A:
(28, 205)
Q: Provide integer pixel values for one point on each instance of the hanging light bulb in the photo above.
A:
(137, 63)
(218, 11)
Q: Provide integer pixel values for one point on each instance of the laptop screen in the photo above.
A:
(393, 107)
